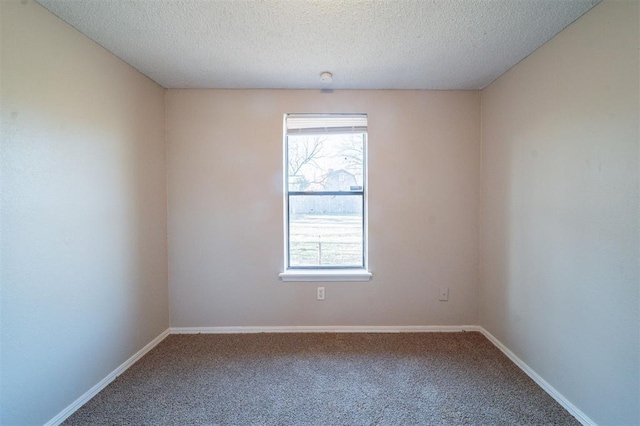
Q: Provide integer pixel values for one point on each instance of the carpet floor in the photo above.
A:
(323, 379)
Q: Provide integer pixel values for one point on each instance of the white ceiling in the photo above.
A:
(366, 44)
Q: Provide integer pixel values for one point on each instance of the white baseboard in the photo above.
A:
(62, 416)
(326, 329)
(575, 411)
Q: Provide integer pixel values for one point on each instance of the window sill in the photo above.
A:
(326, 275)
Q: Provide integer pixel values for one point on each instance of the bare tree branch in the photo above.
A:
(352, 151)
(303, 152)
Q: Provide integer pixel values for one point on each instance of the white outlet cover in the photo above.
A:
(444, 294)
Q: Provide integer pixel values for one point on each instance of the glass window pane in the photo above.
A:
(325, 162)
(325, 230)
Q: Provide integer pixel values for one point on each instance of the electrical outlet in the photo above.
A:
(444, 294)
(320, 293)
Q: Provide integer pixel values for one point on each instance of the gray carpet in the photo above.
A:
(323, 379)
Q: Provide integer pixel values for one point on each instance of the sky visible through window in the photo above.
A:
(312, 159)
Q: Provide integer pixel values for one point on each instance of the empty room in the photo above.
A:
(320, 212)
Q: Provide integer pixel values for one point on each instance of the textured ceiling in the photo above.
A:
(366, 44)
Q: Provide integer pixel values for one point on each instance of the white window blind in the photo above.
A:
(310, 124)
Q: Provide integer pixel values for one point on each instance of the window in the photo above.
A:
(325, 197)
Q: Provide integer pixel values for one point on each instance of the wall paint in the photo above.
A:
(83, 213)
(560, 235)
(226, 214)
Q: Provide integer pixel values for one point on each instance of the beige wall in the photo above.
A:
(225, 209)
(559, 269)
(83, 216)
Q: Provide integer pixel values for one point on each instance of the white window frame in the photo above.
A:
(332, 273)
